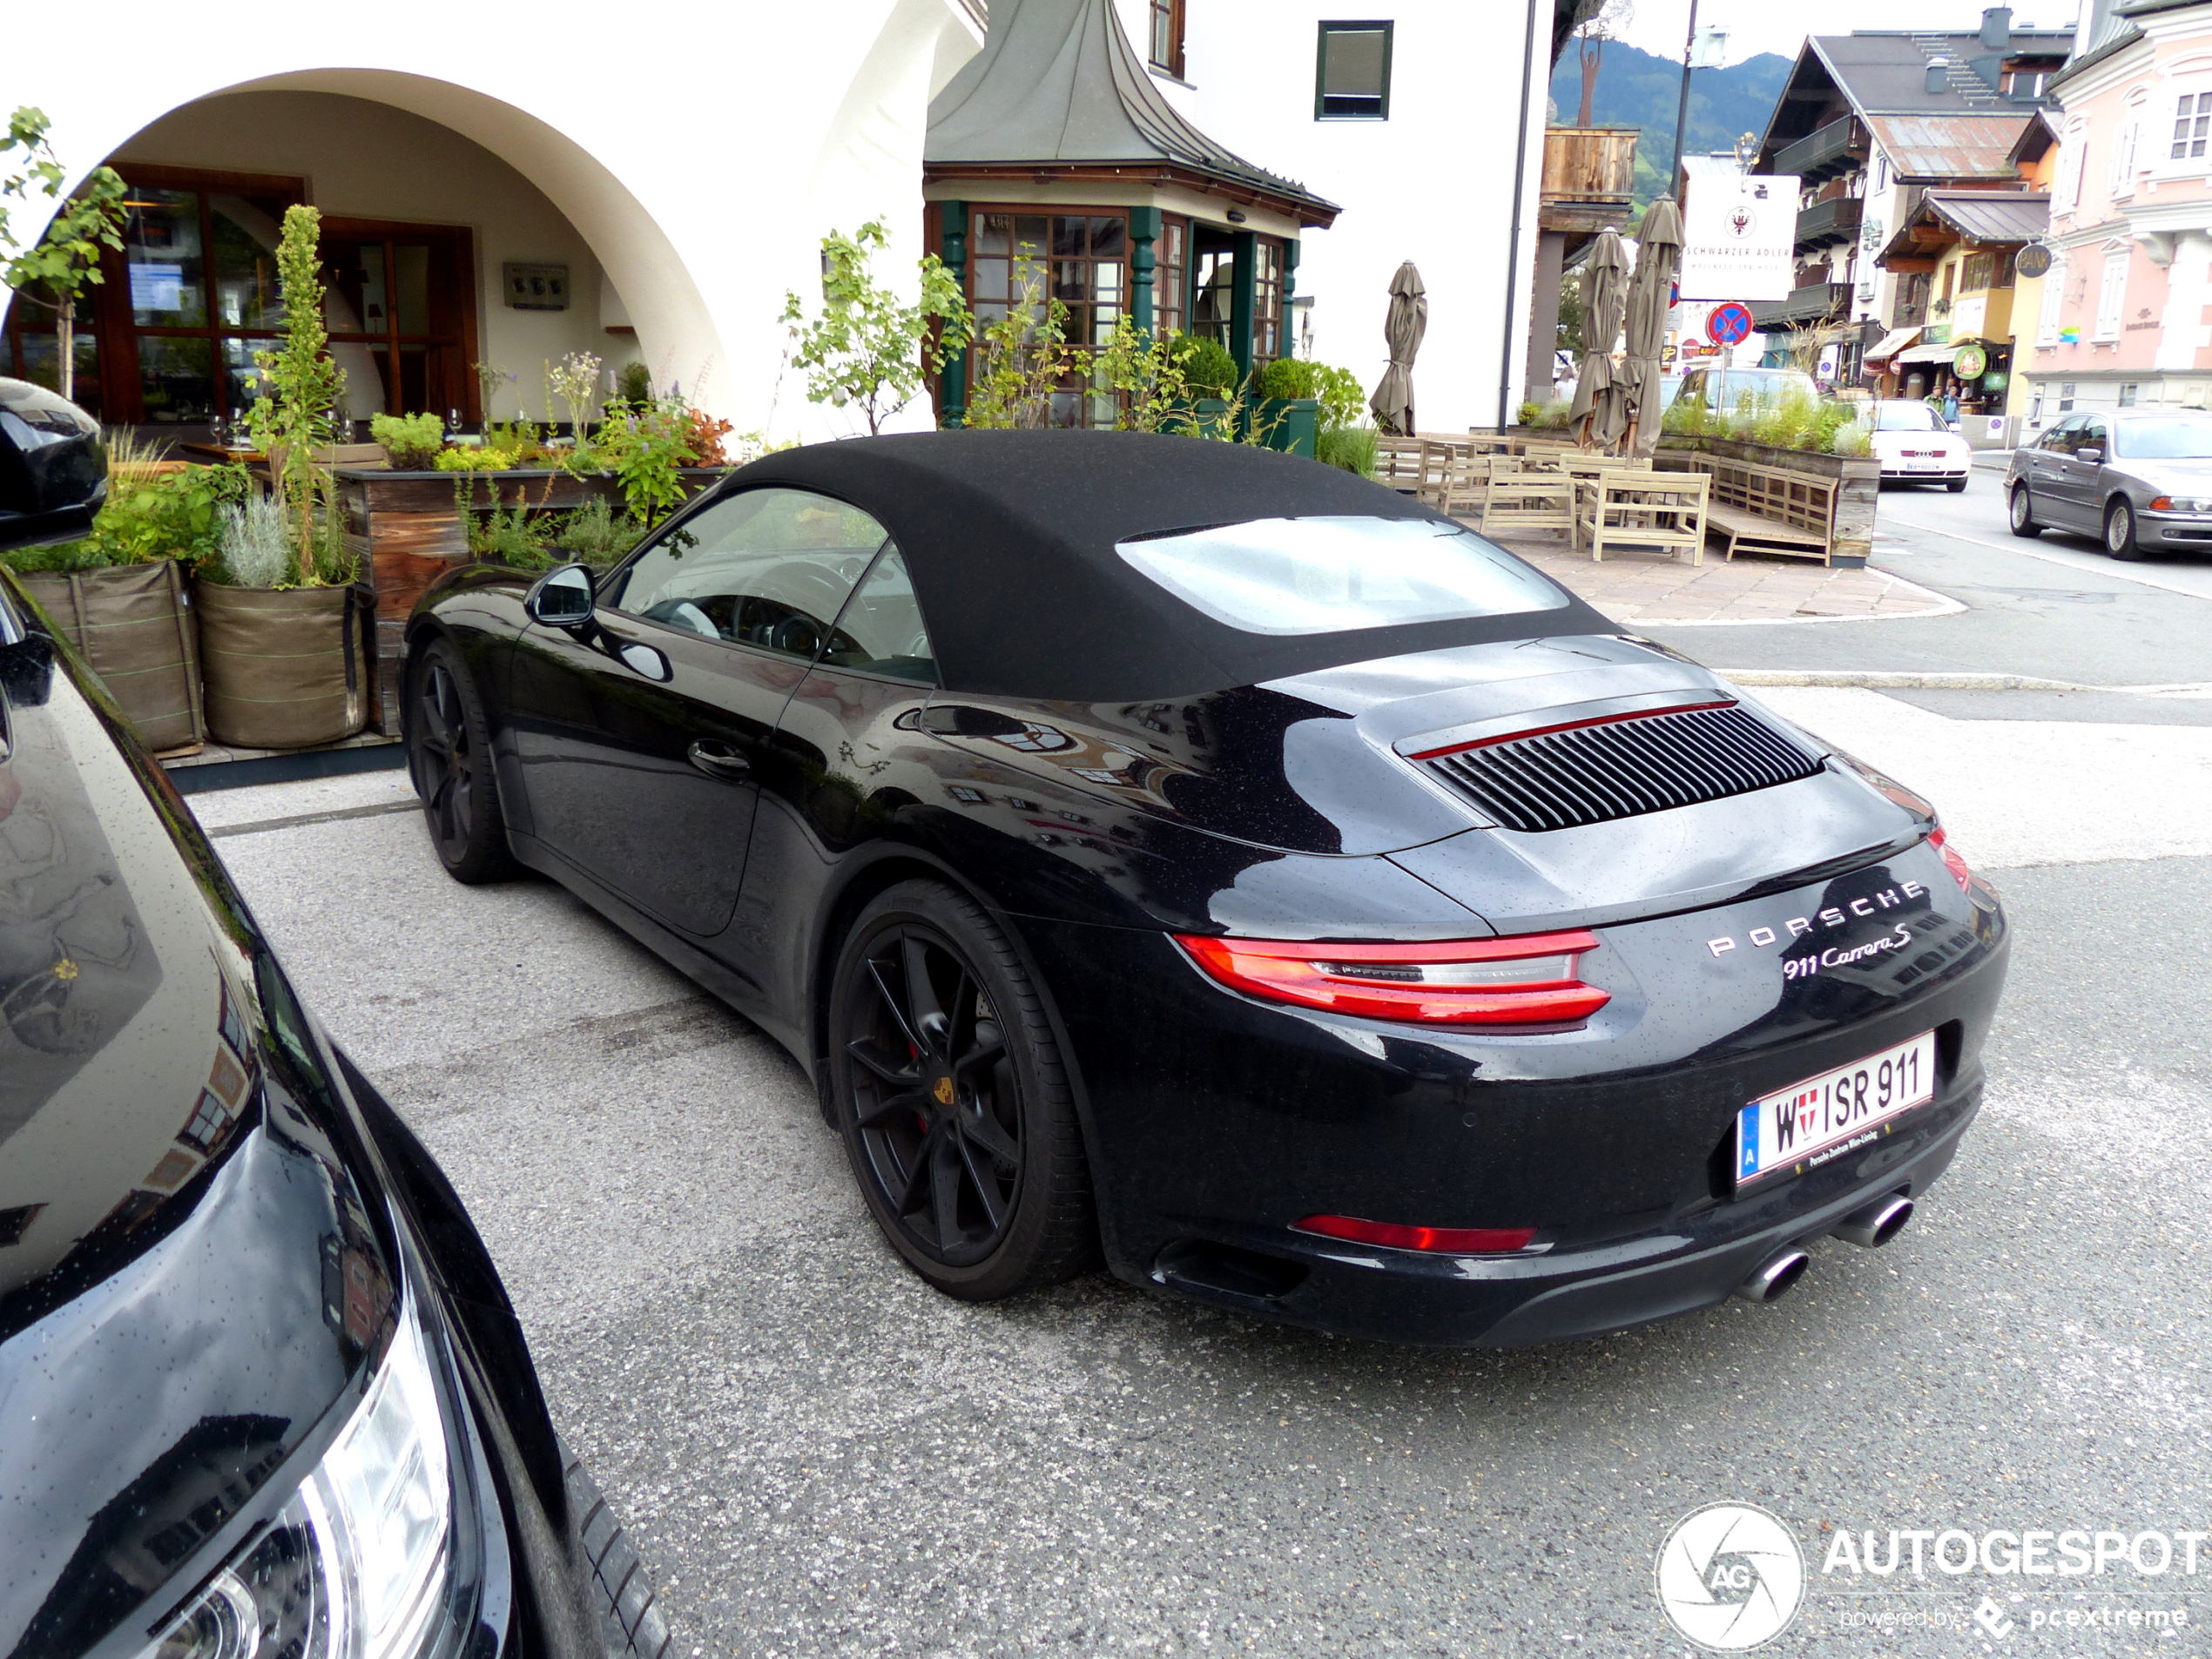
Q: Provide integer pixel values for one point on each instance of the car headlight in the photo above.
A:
(2182, 504)
(360, 1562)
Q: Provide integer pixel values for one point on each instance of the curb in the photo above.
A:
(1885, 680)
(631, 1622)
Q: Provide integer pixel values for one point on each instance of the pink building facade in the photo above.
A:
(2125, 316)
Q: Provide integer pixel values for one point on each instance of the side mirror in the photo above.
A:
(2093, 456)
(561, 598)
(53, 468)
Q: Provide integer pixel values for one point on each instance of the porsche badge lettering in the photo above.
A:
(1871, 904)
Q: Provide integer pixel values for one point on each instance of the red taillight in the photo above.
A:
(1451, 1241)
(1529, 981)
(1959, 871)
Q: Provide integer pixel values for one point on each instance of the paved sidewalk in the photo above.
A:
(1655, 588)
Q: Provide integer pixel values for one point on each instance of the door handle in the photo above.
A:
(717, 758)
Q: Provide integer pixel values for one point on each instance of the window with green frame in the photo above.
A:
(1352, 72)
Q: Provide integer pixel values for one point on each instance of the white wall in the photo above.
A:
(700, 151)
(1434, 184)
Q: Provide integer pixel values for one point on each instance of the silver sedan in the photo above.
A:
(2139, 479)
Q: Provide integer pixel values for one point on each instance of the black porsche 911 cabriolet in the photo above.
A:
(1193, 855)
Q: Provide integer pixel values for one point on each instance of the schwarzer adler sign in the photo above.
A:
(1737, 238)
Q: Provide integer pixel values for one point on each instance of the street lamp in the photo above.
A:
(1699, 51)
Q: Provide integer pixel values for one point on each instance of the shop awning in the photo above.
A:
(1891, 343)
(1929, 354)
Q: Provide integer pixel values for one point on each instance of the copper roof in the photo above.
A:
(1949, 146)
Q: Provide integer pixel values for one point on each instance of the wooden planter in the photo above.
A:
(1857, 480)
(405, 529)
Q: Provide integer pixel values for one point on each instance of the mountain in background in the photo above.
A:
(1636, 89)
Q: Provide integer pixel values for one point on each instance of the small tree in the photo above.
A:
(1023, 358)
(55, 271)
(868, 349)
(294, 416)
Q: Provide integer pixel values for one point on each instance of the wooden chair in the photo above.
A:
(1528, 501)
(1399, 461)
(1489, 443)
(1463, 483)
(1643, 508)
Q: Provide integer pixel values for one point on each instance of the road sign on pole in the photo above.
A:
(1727, 324)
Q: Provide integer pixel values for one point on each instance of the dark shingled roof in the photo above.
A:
(1056, 83)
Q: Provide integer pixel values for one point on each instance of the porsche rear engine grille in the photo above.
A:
(1592, 773)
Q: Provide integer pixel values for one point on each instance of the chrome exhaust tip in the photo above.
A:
(1775, 1277)
(1875, 1225)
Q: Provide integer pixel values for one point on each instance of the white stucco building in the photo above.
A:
(661, 177)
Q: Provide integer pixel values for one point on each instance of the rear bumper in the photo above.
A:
(1215, 1123)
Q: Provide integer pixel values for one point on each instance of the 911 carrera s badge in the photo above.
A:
(941, 1091)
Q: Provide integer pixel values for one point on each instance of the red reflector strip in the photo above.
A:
(1344, 979)
(1960, 870)
(1570, 726)
(1451, 1241)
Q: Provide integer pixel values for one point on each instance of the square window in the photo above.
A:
(1353, 74)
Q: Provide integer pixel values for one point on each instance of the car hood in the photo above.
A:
(189, 1277)
(1319, 763)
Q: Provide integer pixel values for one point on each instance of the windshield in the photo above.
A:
(2179, 439)
(1906, 417)
(1331, 575)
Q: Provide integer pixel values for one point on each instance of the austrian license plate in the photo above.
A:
(1824, 1117)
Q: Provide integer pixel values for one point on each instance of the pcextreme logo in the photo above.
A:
(1730, 1577)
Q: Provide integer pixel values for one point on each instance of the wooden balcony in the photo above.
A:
(1828, 224)
(1825, 152)
(1589, 178)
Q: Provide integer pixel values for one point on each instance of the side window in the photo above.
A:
(768, 569)
(880, 629)
(2092, 436)
(2060, 439)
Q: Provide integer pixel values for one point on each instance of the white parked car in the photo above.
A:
(1915, 446)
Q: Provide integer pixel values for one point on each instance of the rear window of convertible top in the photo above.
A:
(1338, 574)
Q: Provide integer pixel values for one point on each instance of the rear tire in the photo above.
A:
(2020, 511)
(2119, 531)
(1954, 485)
(949, 1092)
(448, 757)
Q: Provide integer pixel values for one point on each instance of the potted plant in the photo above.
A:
(122, 595)
(282, 645)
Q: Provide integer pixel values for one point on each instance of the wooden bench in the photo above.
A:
(1642, 508)
(1765, 509)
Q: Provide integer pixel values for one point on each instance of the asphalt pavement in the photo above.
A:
(817, 1455)
(2054, 607)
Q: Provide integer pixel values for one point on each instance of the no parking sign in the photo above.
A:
(1727, 324)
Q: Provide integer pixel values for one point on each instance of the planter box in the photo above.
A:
(1289, 424)
(1857, 480)
(286, 668)
(405, 528)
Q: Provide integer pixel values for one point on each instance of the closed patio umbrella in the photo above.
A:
(1650, 297)
(1599, 411)
(1403, 324)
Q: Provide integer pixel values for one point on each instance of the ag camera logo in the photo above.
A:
(1730, 1577)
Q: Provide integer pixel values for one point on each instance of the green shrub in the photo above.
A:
(1352, 448)
(1208, 369)
(257, 544)
(164, 515)
(411, 442)
(1527, 413)
(634, 383)
(593, 534)
(1342, 402)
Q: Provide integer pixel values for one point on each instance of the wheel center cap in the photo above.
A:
(941, 1091)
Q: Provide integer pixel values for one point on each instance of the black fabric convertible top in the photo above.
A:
(1010, 537)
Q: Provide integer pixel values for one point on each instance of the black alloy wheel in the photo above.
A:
(954, 1107)
(2021, 512)
(448, 757)
(2119, 530)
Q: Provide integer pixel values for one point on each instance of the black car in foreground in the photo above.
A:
(261, 1392)
(1191, 854)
